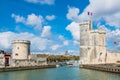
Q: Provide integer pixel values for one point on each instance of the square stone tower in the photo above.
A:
(85, 28)
(92, 44)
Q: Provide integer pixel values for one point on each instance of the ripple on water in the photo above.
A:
(60, 73)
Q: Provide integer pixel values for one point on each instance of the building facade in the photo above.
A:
(93, 46)
(2, 60)
(5, 59)
(113, 56)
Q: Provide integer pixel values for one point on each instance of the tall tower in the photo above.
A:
(85, 28)
(21, 49)
(92, 44)
(100, 46)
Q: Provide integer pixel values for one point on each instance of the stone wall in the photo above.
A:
(18, 63)
(33, 60)
(113, 56)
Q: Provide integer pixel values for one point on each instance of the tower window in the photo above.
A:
(16, 54)
(17, 47)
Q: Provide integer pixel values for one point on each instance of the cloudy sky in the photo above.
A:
(53, 25)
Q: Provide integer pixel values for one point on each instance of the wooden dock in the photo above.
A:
(26, 68)
(114, 68)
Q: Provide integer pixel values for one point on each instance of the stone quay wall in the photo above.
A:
(26, 68)
(114, 68)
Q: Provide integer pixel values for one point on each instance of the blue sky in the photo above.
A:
(24, 8)
(53, 25)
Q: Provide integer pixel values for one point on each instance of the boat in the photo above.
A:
(57, 65)
(70, 65)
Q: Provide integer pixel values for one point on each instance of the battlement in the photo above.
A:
(98, 31)
(86, 24)
(21, 41)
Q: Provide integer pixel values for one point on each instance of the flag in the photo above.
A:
(115, 42)
(90, 13)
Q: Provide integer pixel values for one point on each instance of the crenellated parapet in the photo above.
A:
(21, 41)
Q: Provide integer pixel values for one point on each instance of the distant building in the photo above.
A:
(66, 53)
(2, 60)
(93, 46)
(5, 58)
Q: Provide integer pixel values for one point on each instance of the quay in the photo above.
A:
(26, 68)
(113, 68)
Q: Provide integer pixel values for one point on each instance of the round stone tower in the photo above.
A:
(20, 49)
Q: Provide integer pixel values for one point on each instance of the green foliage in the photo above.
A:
(62, 58)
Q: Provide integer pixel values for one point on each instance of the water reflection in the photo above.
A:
(61, 73)
(98, 75)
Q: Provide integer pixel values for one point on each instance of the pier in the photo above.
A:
(114, 68)
(26, 68)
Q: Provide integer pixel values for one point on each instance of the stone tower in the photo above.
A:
(92, 44)
(85, 28)
(21, 49)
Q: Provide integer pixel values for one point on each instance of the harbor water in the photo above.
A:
(59, 73)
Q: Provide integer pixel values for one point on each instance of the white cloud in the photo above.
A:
(61, 37)
(50, 17)
(40, 43)
(65, 43)
(73, 14)
(37, 43)
(55, 47)
(18, 18)
(77, 43)
(73, 52)
(33, 20)
(74, 29)
(5, 39)
(114, 36)
(46, 31)
(111, 36)
(103, 27)
(113, 20)
(110, 12)
(98, 9)
(49, 2)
